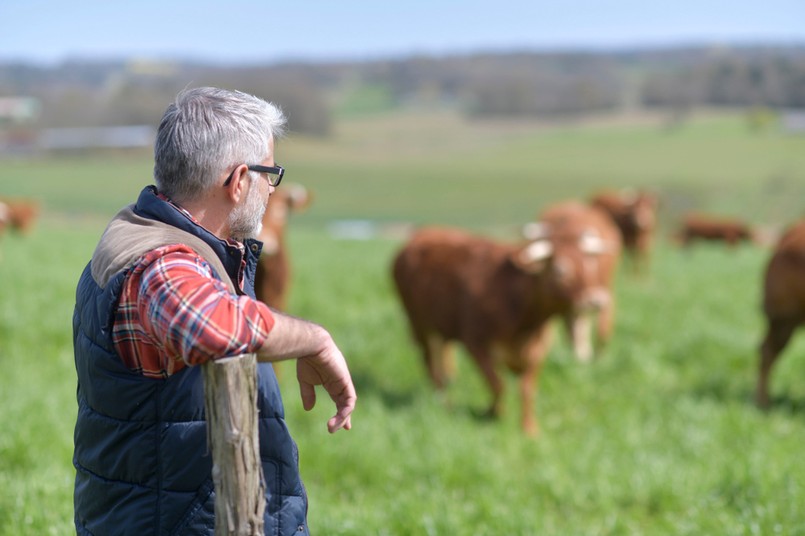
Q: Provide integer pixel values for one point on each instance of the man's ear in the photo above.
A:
(236, 189)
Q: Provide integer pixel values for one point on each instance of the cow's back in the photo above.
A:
(784, 284)
(618, 210)
(632, 212)
(443, 275)
(707, 227)
(572, 218)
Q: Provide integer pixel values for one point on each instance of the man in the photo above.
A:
(169, 287)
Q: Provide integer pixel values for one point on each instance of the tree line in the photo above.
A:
(513, 84)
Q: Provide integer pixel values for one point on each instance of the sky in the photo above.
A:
(243, 32)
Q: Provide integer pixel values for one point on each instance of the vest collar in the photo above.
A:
(150, 205)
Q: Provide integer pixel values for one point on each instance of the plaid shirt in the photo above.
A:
(173, 313)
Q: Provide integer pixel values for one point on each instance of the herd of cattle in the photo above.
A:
(498, 299)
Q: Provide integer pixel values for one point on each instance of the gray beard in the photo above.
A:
(246, 220)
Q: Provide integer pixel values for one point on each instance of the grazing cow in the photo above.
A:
(20, 213)
(3, 221)
(634, 213)
(705, 227)
(3, 217)
(783, 302)
(273, 274)
(497, 299)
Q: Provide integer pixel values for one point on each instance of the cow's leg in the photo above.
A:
(777, 336)
(631, 257)
(578, 331)
(732, 240)
(534, 353)
(642, 252)
(605, 323)
(486, 363)
(529, 380)
(440, 360)
(431, 345)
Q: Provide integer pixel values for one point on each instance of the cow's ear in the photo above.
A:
(591, 243)
(535, 230)
(533, 257)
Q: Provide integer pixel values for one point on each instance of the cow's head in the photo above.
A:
(284, 200)
(569, 263)
(642, 208)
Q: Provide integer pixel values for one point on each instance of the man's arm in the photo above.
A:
(318, 362)
(196, 317)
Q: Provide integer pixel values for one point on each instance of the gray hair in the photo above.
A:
(207, 131)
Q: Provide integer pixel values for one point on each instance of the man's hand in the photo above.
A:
(318, 362)
(328, 369)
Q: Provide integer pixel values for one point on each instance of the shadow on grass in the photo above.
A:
(787, 404)
(405, 396)
(721, 392)
(367, 385)
(717, 390)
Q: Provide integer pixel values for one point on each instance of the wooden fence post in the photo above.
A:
(230, 393)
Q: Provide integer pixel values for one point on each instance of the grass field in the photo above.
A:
(660, 436)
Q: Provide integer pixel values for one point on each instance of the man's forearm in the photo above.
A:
(292, 338)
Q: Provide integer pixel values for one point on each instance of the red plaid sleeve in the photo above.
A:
(173, 313)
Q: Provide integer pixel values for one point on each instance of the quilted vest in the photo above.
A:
(141, 456)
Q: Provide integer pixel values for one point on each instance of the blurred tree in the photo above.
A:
(515, 96)
(301, 100)
(305, 107)
(138, 101)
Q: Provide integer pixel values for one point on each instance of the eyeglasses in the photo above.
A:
(273, 173)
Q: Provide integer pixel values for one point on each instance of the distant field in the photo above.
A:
(659, 437)
(443, 168)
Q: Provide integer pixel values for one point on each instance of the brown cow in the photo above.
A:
(21, 214)
(783, 302)
(3, 217)
(497, 299)
(634, 213)
(3, 222)
(567, 225)
(273, 275)
(714, 228)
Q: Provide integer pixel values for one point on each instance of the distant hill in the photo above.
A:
(501, 84)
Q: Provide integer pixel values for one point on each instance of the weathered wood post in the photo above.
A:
(230, 392)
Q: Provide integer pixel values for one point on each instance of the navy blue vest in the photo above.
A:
(141, 456)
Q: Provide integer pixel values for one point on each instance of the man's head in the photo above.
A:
(208, 132)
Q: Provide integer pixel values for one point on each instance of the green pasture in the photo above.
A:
(659, 436)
